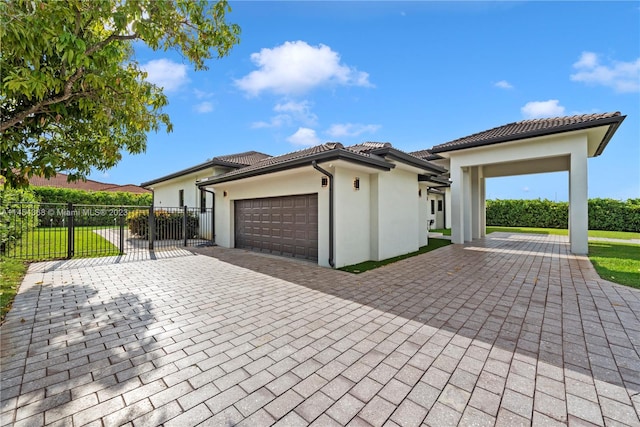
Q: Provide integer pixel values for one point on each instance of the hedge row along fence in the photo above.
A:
(12, 227)
(88, 198)
(169, 224)
(604, 214)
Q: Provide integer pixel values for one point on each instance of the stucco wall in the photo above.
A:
(165, 194)
(352, 217)
(298, 181)
(398, 214)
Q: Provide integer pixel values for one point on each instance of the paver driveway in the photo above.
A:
(509, 330)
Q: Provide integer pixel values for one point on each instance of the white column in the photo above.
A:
(578, 201)
(476, 213)
(467, 205)
(483, 202)
(457, 204)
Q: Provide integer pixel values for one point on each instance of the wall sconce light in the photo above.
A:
(325, 181)
(224, 194)
(419, 192)
(356, 184)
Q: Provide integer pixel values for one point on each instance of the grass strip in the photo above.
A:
(12, 272)
(616, 262)
(370, 265)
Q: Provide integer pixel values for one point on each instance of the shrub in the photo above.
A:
(54, 202)
(18, 215)
(168, 224)
(604, 214)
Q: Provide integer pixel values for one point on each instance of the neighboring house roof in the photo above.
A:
(60, 181)
(537, 127)
(235, 161)
(369, 153)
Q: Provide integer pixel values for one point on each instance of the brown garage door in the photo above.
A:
(285, 225)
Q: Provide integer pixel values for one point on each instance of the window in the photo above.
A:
(433, 207)
(181, 197)
(439, 205)
(203, 201)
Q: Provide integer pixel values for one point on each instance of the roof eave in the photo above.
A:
(613, 127)
(192, 169)
(612, 122)
(407, 158)
(337, 154)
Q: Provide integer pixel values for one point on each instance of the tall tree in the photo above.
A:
(73, 96)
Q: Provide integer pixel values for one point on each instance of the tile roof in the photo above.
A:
(425, 155)
(236, 160)
(532, 128)
(246, 158)
(60, 181)
(304, 157)
(385, 149)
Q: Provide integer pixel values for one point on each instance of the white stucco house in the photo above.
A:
(338, 205)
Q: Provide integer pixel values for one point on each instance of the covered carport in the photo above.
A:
(525, 147)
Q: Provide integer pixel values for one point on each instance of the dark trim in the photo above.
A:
(319, 169)
(435, 179)
(192, 169)
(407, 158)
(613, 122)
(607, 137)
(329, 155)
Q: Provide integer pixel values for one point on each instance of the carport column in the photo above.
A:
(483, 202)
(579, 201)
(468, 204)
(476, 213)
(457, 203)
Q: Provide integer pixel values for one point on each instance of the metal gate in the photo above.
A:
(47, 231)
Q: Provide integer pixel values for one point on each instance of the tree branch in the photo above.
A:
(67, 92)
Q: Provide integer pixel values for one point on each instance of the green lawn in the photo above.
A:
(370, 265)
(51, 243)
(11, 273)
(623, 235)
(616, 262)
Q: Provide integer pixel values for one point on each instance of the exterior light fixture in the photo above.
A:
(356, 184)
(325, 181)
(224, 194)
(419, 192)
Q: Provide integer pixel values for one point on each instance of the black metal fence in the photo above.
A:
(47, 231)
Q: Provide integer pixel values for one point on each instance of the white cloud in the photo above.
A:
(304, 136)
(536, 109)
(525, 189)
(623, 77)
(299, 111)
(503, 84)
(296, 68)
(203, 107)
(166, 74)
(200, 94)
(340, 130)
(291, 112)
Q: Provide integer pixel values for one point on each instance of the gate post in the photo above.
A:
(151, 232)
(121, 223)
(70, 236)
(184, 224)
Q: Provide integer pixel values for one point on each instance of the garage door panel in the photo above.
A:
(285, 226)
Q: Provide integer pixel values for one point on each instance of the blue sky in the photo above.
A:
(415, 74)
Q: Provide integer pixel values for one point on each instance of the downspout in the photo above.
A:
(213, 213)
(318, 168)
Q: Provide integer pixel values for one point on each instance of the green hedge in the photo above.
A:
(82, 197)
(54, 201)
(18, 214)
(604, 214)
(169, 225)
